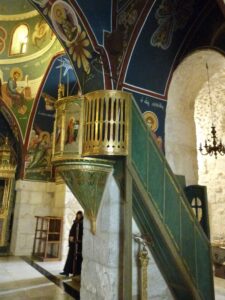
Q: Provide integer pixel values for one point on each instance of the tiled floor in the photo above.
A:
(19, 280)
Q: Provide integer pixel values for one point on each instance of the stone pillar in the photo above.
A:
(32, 199)
(100, 277)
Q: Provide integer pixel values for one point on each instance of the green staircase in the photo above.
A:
(161, 210)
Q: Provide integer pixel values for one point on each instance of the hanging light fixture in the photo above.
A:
(212, 146)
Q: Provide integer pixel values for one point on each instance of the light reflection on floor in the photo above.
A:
(20, 281)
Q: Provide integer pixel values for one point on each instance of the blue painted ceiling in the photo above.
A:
(132, 45)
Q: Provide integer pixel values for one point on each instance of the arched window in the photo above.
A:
(19, 40)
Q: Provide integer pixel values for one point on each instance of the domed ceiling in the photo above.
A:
(27, 74)
(130, 45)
(13, 7)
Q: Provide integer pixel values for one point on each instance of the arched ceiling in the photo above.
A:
(42, 47)
(13, 7)
(134, 45)
(189, 111)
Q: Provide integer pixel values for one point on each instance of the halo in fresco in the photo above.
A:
(64, 20)
(45, 134)
(18, 70)
(152, 120)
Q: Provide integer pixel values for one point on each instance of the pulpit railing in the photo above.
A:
(106, 125)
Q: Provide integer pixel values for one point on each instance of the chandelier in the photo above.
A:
(212, 146)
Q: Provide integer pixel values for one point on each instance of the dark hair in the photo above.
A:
(79, 213)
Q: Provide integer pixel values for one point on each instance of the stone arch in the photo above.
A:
(188, 122)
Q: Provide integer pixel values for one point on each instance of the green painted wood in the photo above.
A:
(162, 211)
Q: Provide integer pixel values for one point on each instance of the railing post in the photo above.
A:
(143, 259)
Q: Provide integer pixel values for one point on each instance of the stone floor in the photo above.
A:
(219, 288)
(23, 279)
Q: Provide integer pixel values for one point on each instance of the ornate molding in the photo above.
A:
(19, 17)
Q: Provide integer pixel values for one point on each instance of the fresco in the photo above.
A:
(64, 21)
(77, 42)
(117, 41)
(153, 111)
(38, 158)
(18, 96)
(16, 7)
(3, 36)
(171, 16)
(98, 14)
(132, 45)
(19, 85)
(40, 33)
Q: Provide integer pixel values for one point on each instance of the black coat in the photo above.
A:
(74, 257)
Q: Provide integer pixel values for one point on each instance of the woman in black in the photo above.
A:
(74, 257)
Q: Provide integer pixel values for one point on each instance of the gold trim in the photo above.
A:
(86, 164)
(4, 209)
(107, 93)
(92, 218)
(18, 17)
(106, 123)
(67, 108)
(7, 173)
(68, 99)
(143, 259)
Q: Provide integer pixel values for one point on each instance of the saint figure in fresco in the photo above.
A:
(72, 131)
(152, 123)
(18, 100)
(40, 151)
(66, 25)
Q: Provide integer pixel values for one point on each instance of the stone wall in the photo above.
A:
(40, 199)
(189, 117)
(32, 199)
(101, 252)
(102, 267)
